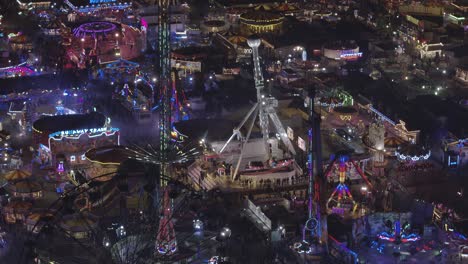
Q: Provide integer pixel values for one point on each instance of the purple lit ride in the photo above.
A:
(341, 199)
(399, 235)
(22, 69)
(94, 29)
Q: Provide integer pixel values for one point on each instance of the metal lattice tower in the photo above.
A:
(165, 82)
(165, 241)
(254, 42)
(312, 232)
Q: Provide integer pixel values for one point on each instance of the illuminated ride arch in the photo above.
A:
(341, 201)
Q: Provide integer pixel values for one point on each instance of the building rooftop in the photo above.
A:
(58, 123)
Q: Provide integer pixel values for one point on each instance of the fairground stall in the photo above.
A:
(63, 140)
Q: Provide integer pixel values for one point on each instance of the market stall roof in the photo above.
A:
(70, 122)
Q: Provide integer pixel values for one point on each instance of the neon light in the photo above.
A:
(79, 132)
(101, 1)
(412, 158)
(351, 55)
(58, 136)
(94, 28)
(60, 167)
(456, 18)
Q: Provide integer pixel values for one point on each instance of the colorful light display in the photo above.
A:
(19, 70)
(403, 157)
(341, 197)
(101, 1)
(94, 28)
(76, 134)
(350, 55)
(399, 235)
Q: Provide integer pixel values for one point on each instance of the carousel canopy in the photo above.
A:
(263, 7)
(16, 175)
(78, 223)
(26, 186)
(261, 15)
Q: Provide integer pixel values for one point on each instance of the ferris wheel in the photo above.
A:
(121, 229)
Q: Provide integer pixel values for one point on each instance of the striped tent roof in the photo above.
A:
(16, 175)
(238, 40)
(284, 7)
(263, 7)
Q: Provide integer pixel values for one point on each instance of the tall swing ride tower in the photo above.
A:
(165, 80)
(166, 243)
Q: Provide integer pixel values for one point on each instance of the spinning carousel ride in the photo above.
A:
(101, 42)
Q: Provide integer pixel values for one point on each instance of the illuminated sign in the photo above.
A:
(101, 1)
(78, 132)
(350, 55)
(194, 66)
